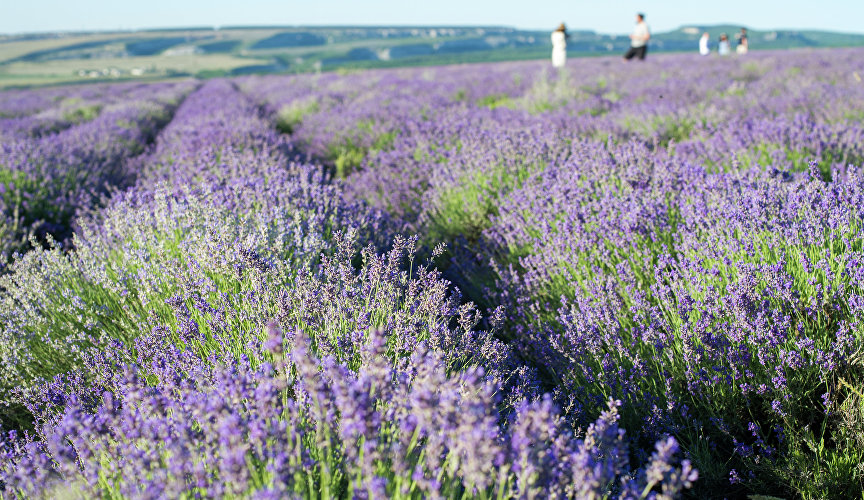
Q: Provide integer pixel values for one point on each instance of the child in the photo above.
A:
(723, 48)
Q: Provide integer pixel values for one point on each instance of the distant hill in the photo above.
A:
(36, 59)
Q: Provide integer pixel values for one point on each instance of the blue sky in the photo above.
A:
(609, 16)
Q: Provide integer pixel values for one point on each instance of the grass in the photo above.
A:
(347, 154)
(667, 129)
(79, 114)
(291, 115)
(493, 101)
(466, 208)
(65, 71)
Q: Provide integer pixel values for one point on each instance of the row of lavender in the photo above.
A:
(683, 236)
(54, 164)
(718, 109)
(47, 111)
(233, 326)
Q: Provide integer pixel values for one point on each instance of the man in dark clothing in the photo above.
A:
(639, 39)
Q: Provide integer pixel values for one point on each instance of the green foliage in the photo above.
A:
(750, 72)
(347, 158)
(20, 192)
(211, 73)
(290, 116)
(666, 130)
(348, 154)
(493, 101)
(550, 92)
(782, 156)
(465, 209)
(82, 113)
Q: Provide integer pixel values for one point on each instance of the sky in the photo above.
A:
(609, 16)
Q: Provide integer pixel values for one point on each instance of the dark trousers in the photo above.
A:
(637, 52)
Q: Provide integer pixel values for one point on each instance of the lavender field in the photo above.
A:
(478, 281)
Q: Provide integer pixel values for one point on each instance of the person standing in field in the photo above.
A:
(704, 48)
(723, 47)
(559, 46)
(639, 39)
(743, 43)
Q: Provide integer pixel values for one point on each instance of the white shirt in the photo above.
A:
(703, 46)
(640, 33)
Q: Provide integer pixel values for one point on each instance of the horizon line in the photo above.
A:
(392, 26)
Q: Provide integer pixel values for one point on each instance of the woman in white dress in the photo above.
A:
(559, 46)
(704, 47)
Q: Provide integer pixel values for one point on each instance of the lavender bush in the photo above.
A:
(301, 425)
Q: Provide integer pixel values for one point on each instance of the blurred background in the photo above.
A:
(55, 41)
